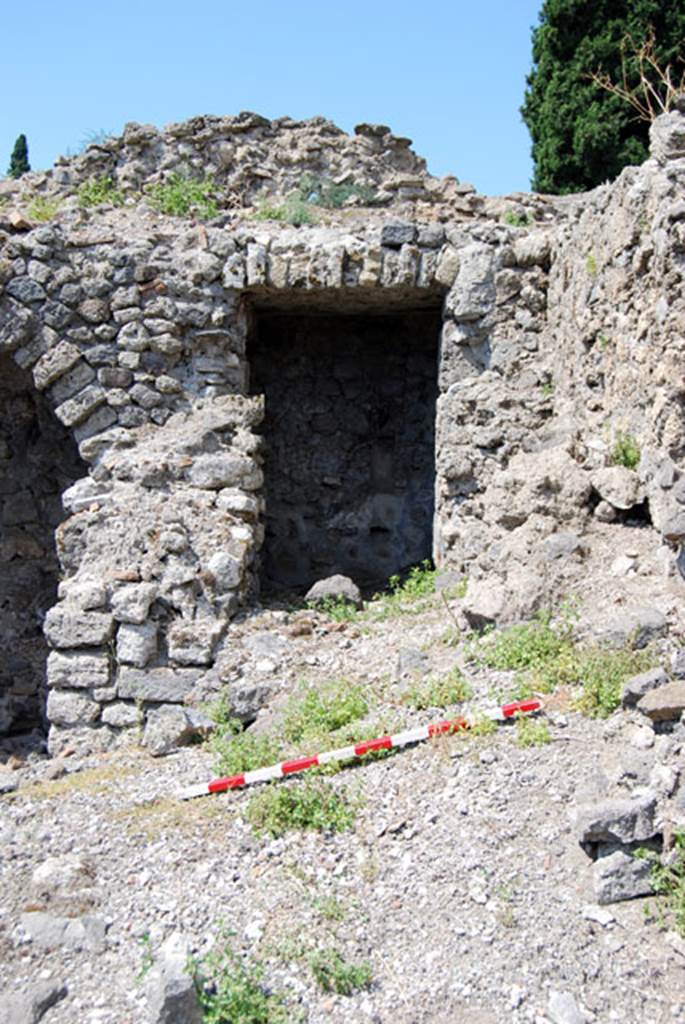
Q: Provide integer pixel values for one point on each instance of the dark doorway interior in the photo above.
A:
(349, 431)
(38, 461)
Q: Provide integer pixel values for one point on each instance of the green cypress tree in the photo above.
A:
(583, 134)
(19, 161)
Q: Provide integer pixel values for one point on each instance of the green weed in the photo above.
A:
(42, 208)
(531, 733)
(591, 264)
(231, 990)
(330, 908)
(668, 879)
(243, 751)
(97, 191)
(315, 711)
(547, 388)
(331, 195)
(336, 608)
(183, 196)
(312, 804)
(410, 596)
(601, 673)
(333, 974)
(530, 645)
(147, 959)
(294, 211)
(517, 220)
(603, 341)
(438, 693)
(625, 452)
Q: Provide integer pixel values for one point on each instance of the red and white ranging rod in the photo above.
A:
(401, 739)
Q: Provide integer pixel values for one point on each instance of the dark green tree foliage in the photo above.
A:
(19, 161)
(583, 135)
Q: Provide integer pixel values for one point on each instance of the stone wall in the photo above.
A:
(135, 328)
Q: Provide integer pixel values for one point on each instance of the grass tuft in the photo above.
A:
(183, 196)
(438, 693)
(313, 804)
(313, 712)
(97, 191)
(333, 974)
(232, 990)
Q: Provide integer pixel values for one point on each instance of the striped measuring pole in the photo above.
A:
(401, 739)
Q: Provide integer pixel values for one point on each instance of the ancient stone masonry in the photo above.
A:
(423, 394)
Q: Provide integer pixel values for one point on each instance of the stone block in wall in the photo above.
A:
(103, 418)
(137, 644)
(54, 364)
(64, 707)
(161, 685)
(131, 603)
(391, 264)
(473, 293)
(233, 500)
(234, 272)
(216, 471)
(88, 592)
(76, 409)
(448, 266)
(533, 249)
(667, 137)
(256, 264)
(371, 267)
(394, 234)
(226, 570)
(78, 671)
(277, 270)
(193, 643)
(72, 382)
(67, 625)
(121, 715)
(95, 311)
(408, 268)
(26, 290)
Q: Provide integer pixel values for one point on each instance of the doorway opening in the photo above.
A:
(349, 435)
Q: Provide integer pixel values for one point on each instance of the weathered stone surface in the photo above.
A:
(120, 715)
(664, 703)
(483, 604)
(616, 821)
(67, 708)
(137, 644)
(156, 684)
(76, 670)
(30, 1005)
(334, 588)
(170, 987)
(226, 470)
(66, 626)
(473, 293)
(168, 728)
(55, 363)
(131, 602)
(619, 876)
(246, 698)
(562, 1008)
(193, 643)
(50, 931)
(639, 685)
(634, 627)
(63, 875)
(619, 486)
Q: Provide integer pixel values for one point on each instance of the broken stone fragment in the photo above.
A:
(170, 986)
(170, 727)
(664, 703)
(68, 626)
(616, 821)
(619, 486)
(156, 684)
(639, 685)
(50, 931)
(334, 588)
(483, 604)
(634, 627)
(29, 1006)
(621, 876)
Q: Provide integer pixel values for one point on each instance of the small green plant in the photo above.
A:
(668, 879)
(242, 751)
(336, 608)
(409, 596)
(529, 645)
(601, 673)
(625, 452)
(294, 211)
(231, 990)
(332, 195)
(531, 733)
(147, 959)
(603, 340)
(480, 726)
(42, 208)
(183, 196)
(333, 974)
(311, 804)
(97, 191)
(547, 388)
(517, 220)
(314, 711)
(591, 264)
(438, 693)
(330, 908)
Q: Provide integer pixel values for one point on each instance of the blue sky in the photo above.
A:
(450, 75)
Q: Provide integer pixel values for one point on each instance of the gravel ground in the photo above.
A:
(461, 883)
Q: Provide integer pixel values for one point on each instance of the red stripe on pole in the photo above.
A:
(299, 764)
(382, 743)
(455, 725)
(231, 782)
(520, 707)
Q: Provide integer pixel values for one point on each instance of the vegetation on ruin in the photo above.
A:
(583, 132)
(334, 974)
(531, 732)
(667, 876)
(98, 191)
(231, 988)
(517, 220)
(545, 656)
(184, 196)
(317, 711)
(294, 211)
(625, 451)
(333, 195)
(42, 208)
(309, 804)
(438, 692)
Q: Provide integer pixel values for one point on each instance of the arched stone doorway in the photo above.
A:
(38, 461)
